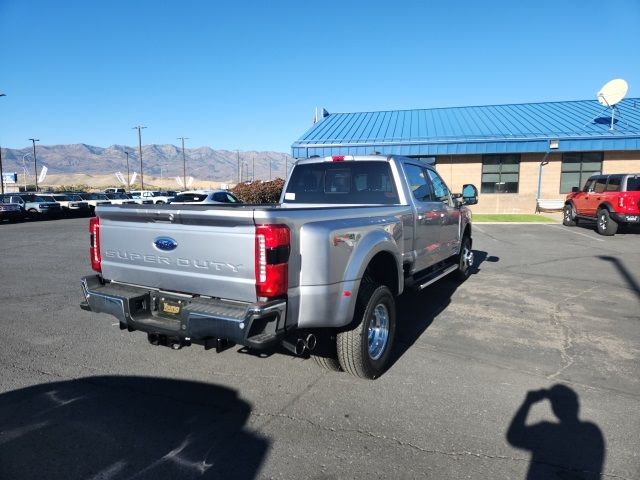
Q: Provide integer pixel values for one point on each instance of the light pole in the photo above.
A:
(184, 161)
(1, 173)
(239, 172)
(128, 181)
(139, 128)
(35, 159)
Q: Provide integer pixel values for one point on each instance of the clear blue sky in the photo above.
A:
(247, 75)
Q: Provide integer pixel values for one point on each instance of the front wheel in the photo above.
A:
(606, 225)
(364, 350)
(568, 216)
(465, 259)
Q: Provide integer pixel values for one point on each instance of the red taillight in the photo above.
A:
(337, 158)
(94, 249)
(272, 255)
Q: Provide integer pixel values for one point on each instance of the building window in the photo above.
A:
(577, 167)
(500, 173)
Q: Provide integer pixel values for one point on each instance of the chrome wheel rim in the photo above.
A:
(378, 331)
(567, 215)
(603, 222)
(466, 259)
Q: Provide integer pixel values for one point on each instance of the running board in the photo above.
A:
(438, 276)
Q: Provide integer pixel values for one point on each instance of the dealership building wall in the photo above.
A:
(498, 148)
(456, 170)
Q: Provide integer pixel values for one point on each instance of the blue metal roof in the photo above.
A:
(582, 125)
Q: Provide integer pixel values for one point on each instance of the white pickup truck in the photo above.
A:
(318, 273)
(150, 197)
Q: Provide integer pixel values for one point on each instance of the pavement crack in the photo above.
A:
(568, 334)
(418, 448)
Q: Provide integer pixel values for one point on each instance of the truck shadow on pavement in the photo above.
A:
(569, 449)
(112, 427)
(417, 310)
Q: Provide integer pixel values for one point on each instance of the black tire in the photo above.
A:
(465, 259)
(374, 303)
(325, 354)
(605, 224)
(327, 363)
(568, 216)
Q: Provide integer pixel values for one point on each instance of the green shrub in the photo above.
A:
(259, 192)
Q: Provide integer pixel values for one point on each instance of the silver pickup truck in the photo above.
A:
(317, 274)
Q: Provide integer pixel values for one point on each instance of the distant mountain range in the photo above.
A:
(203, 163)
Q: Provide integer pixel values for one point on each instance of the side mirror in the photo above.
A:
(469, 194)
(575, 189)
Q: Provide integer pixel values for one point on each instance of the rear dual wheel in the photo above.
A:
(365, 349)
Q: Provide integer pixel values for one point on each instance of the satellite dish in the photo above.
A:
(612, 92)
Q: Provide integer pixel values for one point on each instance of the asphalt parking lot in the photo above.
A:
(548, 307)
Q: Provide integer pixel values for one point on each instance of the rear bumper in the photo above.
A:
(255, 325)
(626, 217)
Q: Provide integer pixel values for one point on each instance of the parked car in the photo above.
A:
(611, 200)
(155, 197)
(11, 212)
(33, 204)
(120, 198)
(204, 197)
(318, 273)
(115, 190)
(94, 199)
(70, 206)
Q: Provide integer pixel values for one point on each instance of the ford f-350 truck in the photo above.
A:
(318, 273)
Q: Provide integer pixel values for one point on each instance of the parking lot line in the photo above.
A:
(577, 233)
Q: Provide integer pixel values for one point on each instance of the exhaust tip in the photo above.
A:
(311, 341)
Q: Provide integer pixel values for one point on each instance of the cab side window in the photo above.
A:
(588, 186)
(440, 189)
(601, 183)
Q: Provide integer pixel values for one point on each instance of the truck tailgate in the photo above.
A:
(207, 252)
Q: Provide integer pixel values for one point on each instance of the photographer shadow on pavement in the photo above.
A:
(113, 428)
(569, 449)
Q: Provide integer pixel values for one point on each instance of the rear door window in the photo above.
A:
(613, 185)
(419, 183)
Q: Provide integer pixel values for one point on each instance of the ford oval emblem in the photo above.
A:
(165, 244)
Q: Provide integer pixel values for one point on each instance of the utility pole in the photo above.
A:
(140, 127)
(286, 165)
(253, 170)
(269, 169)
(184, 161)
(128, 181)
(239, 171)
(35, 159)
(1, 174)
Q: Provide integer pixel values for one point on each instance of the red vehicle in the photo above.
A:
(610, 200)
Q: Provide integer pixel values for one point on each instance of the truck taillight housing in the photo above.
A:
(272, 254)
(94, 248)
